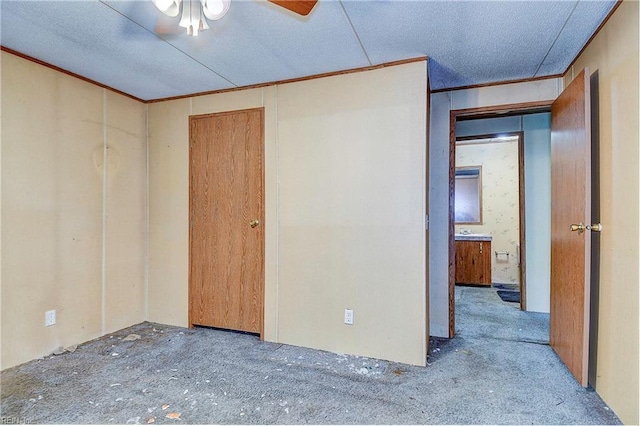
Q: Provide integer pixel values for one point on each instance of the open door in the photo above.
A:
(571, 226)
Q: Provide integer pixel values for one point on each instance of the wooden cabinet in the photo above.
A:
(473, 262)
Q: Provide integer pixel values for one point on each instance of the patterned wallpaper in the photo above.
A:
(500, 206)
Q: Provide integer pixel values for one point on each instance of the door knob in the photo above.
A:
(254, 223)
(596, 227)
(577, 227)
(580, 227)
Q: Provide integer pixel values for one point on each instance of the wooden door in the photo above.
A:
(571, 204)
(226, 238)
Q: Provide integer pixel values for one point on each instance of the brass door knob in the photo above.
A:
(577, 227)
(596, 227)
(580, 227)
(254, 223)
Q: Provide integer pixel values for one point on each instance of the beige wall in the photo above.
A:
(614, 55)
(73, 232)
(500, 203)
(352, 203)
(345, 204)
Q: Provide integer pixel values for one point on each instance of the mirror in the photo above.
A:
(468, 195)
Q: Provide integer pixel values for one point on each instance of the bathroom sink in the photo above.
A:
(473, 237)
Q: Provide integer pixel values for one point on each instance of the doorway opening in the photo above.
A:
(506, 257)
(489, 212)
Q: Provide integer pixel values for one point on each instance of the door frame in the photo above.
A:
(476, 113)
(262, 218)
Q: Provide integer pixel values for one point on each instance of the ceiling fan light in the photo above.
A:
(215, 9)
(203, 22)
(188, 17)
(193, 17)
(168, 7)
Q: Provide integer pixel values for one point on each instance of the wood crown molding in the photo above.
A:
(69, 73)
(293, 80)
(498, 83)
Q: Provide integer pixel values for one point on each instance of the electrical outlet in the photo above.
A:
(348, 316)
(49, 318)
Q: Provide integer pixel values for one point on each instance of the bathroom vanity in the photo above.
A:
(473, 259)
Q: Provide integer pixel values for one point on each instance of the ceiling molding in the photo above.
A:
(294, 80)
(499, 83)
(212, 92)
(67, 72)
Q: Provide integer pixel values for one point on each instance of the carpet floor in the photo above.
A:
(498, 370)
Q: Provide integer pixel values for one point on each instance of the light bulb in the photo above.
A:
(163, 5)
(168, 7)
(215, 6)
(215, 9)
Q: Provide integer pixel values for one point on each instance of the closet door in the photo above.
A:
(226, 279)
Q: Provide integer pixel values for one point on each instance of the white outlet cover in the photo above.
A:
(49, 318)
(348, 316)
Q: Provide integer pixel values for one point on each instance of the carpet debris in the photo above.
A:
(173, 415)
(58, 351)
(151, 420)
(398, 371)
(131, 338)
(165, 406)
(71, 348)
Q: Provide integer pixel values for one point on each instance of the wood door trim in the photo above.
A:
(505, 110)
(473, 113)
(452, 242)
(523, 223)
(261, 111)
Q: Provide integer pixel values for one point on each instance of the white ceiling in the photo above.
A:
(468, 42)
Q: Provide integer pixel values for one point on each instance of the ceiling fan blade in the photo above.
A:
(301, 7)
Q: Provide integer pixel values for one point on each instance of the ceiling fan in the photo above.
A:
(194, 12)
